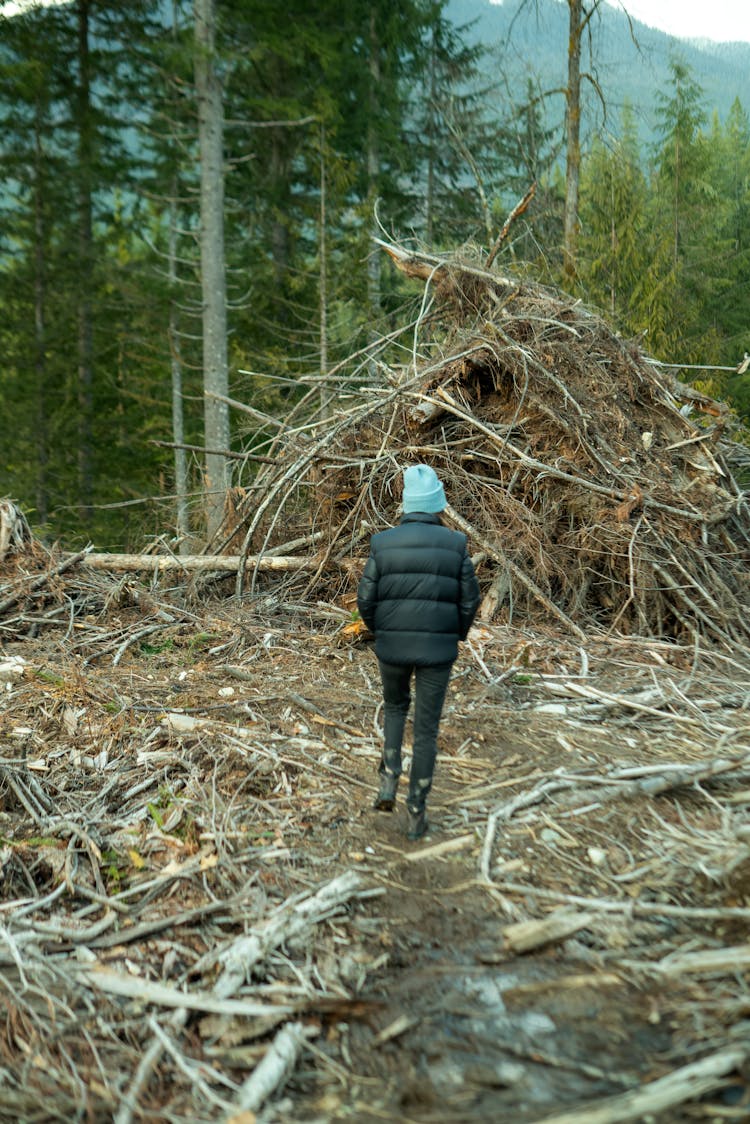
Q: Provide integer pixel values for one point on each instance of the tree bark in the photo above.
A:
(374, 294)
(325, 396)
(213, 269)
(182, 518)
(194, 563)
(178, 418)
(573, 139)
(580, 13)
(40, 318)
(85, 264)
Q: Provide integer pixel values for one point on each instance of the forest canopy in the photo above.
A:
(334, 128)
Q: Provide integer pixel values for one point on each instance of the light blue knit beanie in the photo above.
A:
(422, 490)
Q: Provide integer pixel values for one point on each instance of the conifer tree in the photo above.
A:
(528, 148)
(28, 387)
(730, 164)
(455, 137)
(674, 287)
(613, 201)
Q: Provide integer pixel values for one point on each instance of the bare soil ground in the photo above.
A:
(162, 798)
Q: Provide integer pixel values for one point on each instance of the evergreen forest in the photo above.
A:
(190, 195)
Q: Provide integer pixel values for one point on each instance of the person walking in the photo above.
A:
(419, 595)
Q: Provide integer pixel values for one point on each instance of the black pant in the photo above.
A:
(431, 684)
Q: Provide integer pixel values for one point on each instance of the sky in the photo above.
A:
(721, 20)
(13, 7)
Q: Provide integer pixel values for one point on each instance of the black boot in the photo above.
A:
(416, 805)
(386, 798)
(390, 771)
(417, 822)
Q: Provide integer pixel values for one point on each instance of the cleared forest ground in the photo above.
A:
(202, 919)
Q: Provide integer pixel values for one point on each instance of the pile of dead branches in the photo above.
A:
(594, 486)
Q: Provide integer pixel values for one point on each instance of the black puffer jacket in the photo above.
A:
(418, 593)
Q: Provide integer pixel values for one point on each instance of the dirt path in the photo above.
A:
(462, 1028)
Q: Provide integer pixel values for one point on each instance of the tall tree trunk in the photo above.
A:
(676, 201)
(613, 249)
(325, 395)
(182, 517)
(40, 350)
(213, 269)
(279, 176)
(431, 142)
(178, 418)
(573, 139)
(374, 295)
(85, 265)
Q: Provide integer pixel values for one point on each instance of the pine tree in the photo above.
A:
(455, 138)
(730, 164)
(29, 390)
(673, 289)
(613, 201)
(528, 149)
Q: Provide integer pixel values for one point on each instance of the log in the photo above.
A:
(431, 267)
(735, 958)
(291, 921)
(194, 563)
(523, 936)
(272, 1073)
(448, 846)
(164, 995)
(631, 907)
(675, 1088)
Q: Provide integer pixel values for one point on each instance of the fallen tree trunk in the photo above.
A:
(289, 922)
(524, 936)
(685, 1084)
(195, 563)
(14, 530)
(273, 1071)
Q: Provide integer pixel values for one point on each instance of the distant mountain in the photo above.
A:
(529, 38)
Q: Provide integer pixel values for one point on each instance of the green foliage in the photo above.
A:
(165, 645)
(115, 868)
(78, 413)
(613, 204)
(665, 245)
(333, 114)
(201, 641)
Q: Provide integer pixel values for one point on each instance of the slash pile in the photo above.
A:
(594, 486)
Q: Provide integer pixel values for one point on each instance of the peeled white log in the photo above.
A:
(14, 530)
(229, 563)
(523, 936)
(289, 922)
(274, 1070)
(675, 1088)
